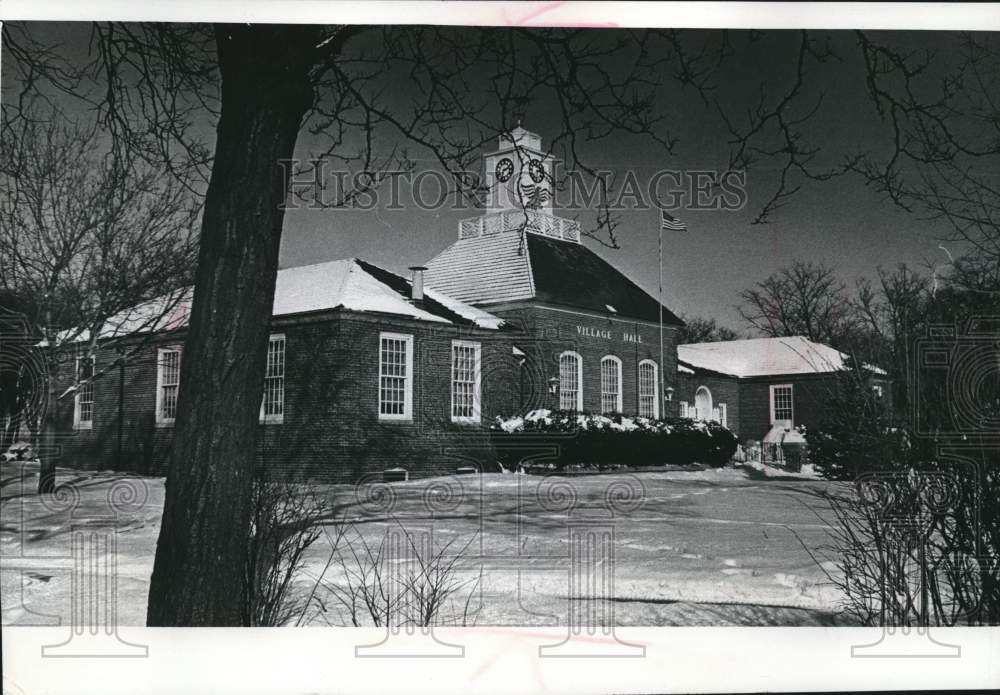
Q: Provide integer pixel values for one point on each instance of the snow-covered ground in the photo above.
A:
(713, 547)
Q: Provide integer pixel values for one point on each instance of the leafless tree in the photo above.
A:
(697, 329)
(89, 239)
(944, 152)
(892, 312)
(805, 299)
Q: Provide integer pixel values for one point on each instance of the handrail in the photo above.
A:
(534, 221)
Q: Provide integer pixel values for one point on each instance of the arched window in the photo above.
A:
(649, 387)
(703, 403)
(570, 381)
(611, 384)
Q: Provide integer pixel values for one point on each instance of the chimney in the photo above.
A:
(417, 291)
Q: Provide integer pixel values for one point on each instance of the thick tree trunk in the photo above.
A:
(202, 549)
(44, 442)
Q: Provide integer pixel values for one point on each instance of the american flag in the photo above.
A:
(671, 223)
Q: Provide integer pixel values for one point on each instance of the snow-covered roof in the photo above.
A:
(765, 357)
(349, 283)
(164, 313)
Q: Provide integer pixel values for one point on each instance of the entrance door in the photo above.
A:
(703, 403)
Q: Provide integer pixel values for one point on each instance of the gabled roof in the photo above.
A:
(764, 357)
(350, 284)
(499, 268)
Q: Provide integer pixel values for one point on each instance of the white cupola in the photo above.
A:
(519, 174)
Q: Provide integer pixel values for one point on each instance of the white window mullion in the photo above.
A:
(395, 388)
(83, 400)
(570, 381)
(465, 381)
(611, 384)
(782, 403)
(649, 397)
(168, 377)
(272, 406)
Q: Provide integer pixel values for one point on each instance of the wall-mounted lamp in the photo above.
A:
(554, 385)
(669, 393)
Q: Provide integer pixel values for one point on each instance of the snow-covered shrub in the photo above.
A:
(615, 440)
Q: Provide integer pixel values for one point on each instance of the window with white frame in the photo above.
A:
(723, 415)
(272, 407)
(570, 381)
(649, 401)
(395, 388)
(168, 379)
(782, 407)
(83, 406)
(465, 381)
(683, 409)
(611, 384)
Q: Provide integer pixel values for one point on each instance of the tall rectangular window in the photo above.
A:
(83, 410)
(782, 406)
(611, 384)
(723, 415)
(683, 409)
(272, 407)
(395, 389)
(570, 381)
(465, 381)
(649, 403)
(168, 379)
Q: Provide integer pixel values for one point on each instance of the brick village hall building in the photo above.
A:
(368, 370)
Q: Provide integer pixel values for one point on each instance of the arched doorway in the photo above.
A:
(703, 403)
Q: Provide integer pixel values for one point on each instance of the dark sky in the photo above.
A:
(839, 222)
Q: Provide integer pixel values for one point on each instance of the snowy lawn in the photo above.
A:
(713, 547)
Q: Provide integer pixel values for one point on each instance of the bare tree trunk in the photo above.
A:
(202, 549)
(45, 449)
(45, 438)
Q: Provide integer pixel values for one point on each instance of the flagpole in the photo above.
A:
(659, 311)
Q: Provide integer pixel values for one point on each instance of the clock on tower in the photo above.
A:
(519, 174)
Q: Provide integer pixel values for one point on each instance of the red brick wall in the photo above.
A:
(810, 393)
(144, 447)
(548, 332)
(724, 390)
(331, 429)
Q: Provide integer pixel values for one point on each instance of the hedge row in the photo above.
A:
(611, 440)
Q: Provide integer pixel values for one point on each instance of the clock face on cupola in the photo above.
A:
(519, 173)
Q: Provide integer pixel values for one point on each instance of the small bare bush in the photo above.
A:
(401, 581)
(909, 549)
(286, 522)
